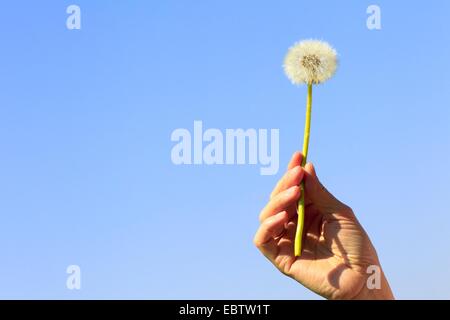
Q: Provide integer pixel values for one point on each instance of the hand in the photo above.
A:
(336, 249)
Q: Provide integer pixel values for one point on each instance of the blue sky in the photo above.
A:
(86, 118)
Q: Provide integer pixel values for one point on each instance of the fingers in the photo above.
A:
(291, 178)
(269, 229)
(296, 160)
(280, 202)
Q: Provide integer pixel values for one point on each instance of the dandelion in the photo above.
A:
(308, 62)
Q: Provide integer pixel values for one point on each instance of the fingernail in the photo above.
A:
(296, 169)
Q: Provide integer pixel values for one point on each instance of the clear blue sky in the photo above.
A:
(85, 123)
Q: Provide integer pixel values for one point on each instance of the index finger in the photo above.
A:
(296, 160)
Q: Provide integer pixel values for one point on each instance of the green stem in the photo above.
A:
(301, 202)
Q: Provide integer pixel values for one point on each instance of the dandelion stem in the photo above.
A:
(301, 202)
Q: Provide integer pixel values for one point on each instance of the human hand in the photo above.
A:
(336, 250)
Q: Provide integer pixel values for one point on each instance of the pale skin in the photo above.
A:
(337, 252)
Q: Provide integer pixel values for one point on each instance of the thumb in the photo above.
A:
(317, 194)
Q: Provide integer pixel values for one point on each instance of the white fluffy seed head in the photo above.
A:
(310, 62)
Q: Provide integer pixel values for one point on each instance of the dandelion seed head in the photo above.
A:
(310, 62)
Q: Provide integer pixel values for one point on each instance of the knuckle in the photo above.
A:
(261, 218)
(261, 215)
(272, 194)
(256, 242)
